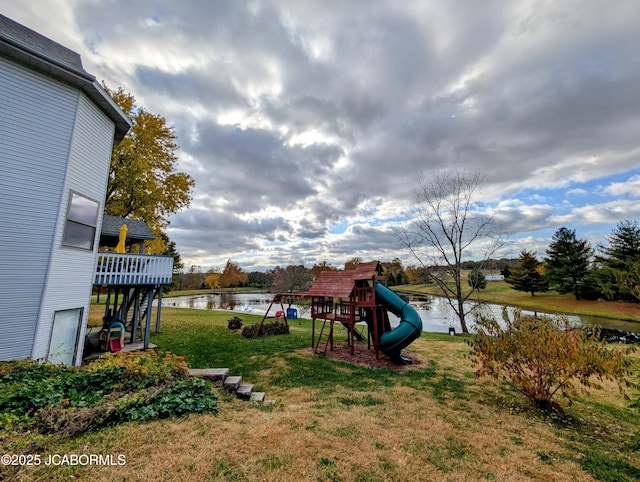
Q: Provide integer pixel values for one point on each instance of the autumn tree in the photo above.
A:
(445, 224)
(417, 275)
(192, 279)
(292, 279)
(144, 182)
(232, 276)
(352, 263)
(316, 269)
(394, 272)
(567, 262)
(213, 279)
(527, 275)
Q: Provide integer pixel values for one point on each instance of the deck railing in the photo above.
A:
(133, 269)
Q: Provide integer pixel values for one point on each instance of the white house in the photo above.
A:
(57, 130)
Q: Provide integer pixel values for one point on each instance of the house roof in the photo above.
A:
(42, 54)
(136, 231)
(340, 284)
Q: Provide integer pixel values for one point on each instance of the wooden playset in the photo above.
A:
(359, 301)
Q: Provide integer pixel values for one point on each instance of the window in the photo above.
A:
(82, 219)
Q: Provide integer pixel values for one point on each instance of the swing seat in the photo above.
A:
(116, 336)
(115, 345)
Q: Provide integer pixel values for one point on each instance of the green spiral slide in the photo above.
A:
(410, 327)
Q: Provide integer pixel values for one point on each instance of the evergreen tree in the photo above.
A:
(178, 265)
(477, 279)
(614, 275)
(390, 280)
(526, 275)
(567, 262)
(624, 245)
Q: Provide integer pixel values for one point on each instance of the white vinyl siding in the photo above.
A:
(72, 270)
(36, 123)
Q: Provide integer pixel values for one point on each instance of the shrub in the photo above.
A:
(234, 323)
(143, 368)
(544, 356)
(266, 329)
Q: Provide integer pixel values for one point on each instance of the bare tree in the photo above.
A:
(446, 224)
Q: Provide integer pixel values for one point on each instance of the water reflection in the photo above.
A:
(436, 314)
(225, 301)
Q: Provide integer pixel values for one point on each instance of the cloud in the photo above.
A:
(296, 118)
(630, 187)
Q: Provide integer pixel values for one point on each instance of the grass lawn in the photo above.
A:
(335, 421)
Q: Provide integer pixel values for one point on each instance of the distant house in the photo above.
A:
(494, 277)
(57, 130)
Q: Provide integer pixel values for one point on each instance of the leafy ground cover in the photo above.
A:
(338, 421)
(39, 402)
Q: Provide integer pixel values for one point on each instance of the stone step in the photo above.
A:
(231, 384)
(221, 379)
(244, 391)
(216, 375)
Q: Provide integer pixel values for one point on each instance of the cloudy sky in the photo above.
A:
(305, 124)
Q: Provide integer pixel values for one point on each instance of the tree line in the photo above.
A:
(608, 271)
(298, 278)
(292, 278)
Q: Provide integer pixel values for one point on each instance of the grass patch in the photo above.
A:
(446, 387)
(609, 467)
(365, 401)
(338, 421)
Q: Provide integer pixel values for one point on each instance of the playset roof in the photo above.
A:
(340, 284)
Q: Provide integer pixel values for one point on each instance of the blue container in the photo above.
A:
(292, 314)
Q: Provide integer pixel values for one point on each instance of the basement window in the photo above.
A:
(82, 219)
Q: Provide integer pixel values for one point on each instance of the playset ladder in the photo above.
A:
(328, 336)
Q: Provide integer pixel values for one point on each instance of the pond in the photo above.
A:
(436, 314)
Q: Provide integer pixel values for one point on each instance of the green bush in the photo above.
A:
(544, 356)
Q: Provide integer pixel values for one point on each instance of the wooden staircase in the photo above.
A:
(232, 384)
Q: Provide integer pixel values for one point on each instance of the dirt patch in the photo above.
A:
(366, 357)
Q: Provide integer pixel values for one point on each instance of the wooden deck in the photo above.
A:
(133, 269)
